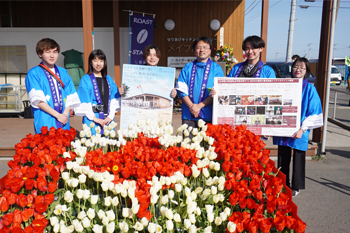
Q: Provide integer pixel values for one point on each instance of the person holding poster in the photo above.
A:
(99, 95)
(195, 82)
(311, 118)
(50, 89)
(253, 67)
(151, 55)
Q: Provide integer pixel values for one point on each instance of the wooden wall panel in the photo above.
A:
(191, 18)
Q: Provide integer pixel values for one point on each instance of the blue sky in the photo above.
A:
(307, 28)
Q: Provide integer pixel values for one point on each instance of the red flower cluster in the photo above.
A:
(35, 171)
(140, 160)
(253, 186)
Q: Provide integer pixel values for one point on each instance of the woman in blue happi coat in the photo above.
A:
(311, 118)
(99, 95)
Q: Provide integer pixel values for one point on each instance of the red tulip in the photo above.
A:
(22, 200)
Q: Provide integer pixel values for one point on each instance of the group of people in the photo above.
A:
(52, 94)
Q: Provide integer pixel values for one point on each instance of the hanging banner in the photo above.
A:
(142, 35)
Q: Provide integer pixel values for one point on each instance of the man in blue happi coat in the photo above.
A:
(253, 67)
(195, 82)
(50, 89)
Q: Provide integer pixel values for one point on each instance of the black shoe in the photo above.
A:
(295, 192)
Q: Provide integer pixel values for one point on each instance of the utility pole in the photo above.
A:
(291, 31)
(277, 56)
(308, 54)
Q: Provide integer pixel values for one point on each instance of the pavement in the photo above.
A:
(324, 205)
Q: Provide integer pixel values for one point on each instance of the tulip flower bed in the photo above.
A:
(145, 180)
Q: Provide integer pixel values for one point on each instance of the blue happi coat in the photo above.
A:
(266, 71)
(183, 84)
(88, 99)
(311, 118)
(38, 90)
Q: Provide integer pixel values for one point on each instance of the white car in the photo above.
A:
(335, 76)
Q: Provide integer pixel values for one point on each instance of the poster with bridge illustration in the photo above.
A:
(266, 106)
(147, 94)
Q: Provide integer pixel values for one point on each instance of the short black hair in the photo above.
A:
(307, 64)
(146, 51)
(295, 56)
(204, 39)
(100, 55)
(256, 42)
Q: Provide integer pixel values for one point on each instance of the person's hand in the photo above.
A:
(62, 118)
(298, 134)
(99, 121)
(212, 92)
(195, 110)
(107, 121)
(173, 93)
(121, 90)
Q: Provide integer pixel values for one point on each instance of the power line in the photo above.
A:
(258, 14)
(253, 7)
(250, 6)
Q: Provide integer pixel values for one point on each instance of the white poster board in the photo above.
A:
(266, 106)
(148, 94)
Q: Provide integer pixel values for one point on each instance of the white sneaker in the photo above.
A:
(295, 192)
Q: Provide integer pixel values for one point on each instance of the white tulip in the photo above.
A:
(178, 188)
(68, 196)
(231, 227)
(208, 229)
(81, 215)
(218, 221)
(198, 211)
(65, 176)
(138, 226)
(124, 227)
(205, 172)
(115, 201)
(192, 218)
(169, 214)
(151, 227)
(169, 225)
(187, 223)
(171, 194)
(154, 199)
(111, 215)
(101, 214)
(93, 199)
(91, 213)
(221, 187)
(97, 228)
(144, 221)
(216, 199)
(165, 199)
(135, 208)
(125, 212)
(223, 216)
(111, 227)
(77, 225)
(53, 220)
(91, 173)
(86, 194)
(80, 193)
(108, 201)
(209, 208)
(177, 218)
(214, 190)
(105, 220)
(210, 217)
(187, 191)
(56, 228)
(86, 222)
(192, 229)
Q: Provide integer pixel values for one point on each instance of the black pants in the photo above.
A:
(194, 124)
(284, 158)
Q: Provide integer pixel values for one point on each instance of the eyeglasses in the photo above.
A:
(204, 48)
(299, 68)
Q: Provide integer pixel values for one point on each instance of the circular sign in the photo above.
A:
(142, 36)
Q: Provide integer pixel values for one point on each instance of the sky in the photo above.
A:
(307, 28)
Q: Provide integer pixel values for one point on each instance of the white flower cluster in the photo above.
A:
(112, 196)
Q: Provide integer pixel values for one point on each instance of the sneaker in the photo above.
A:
(295, 192)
